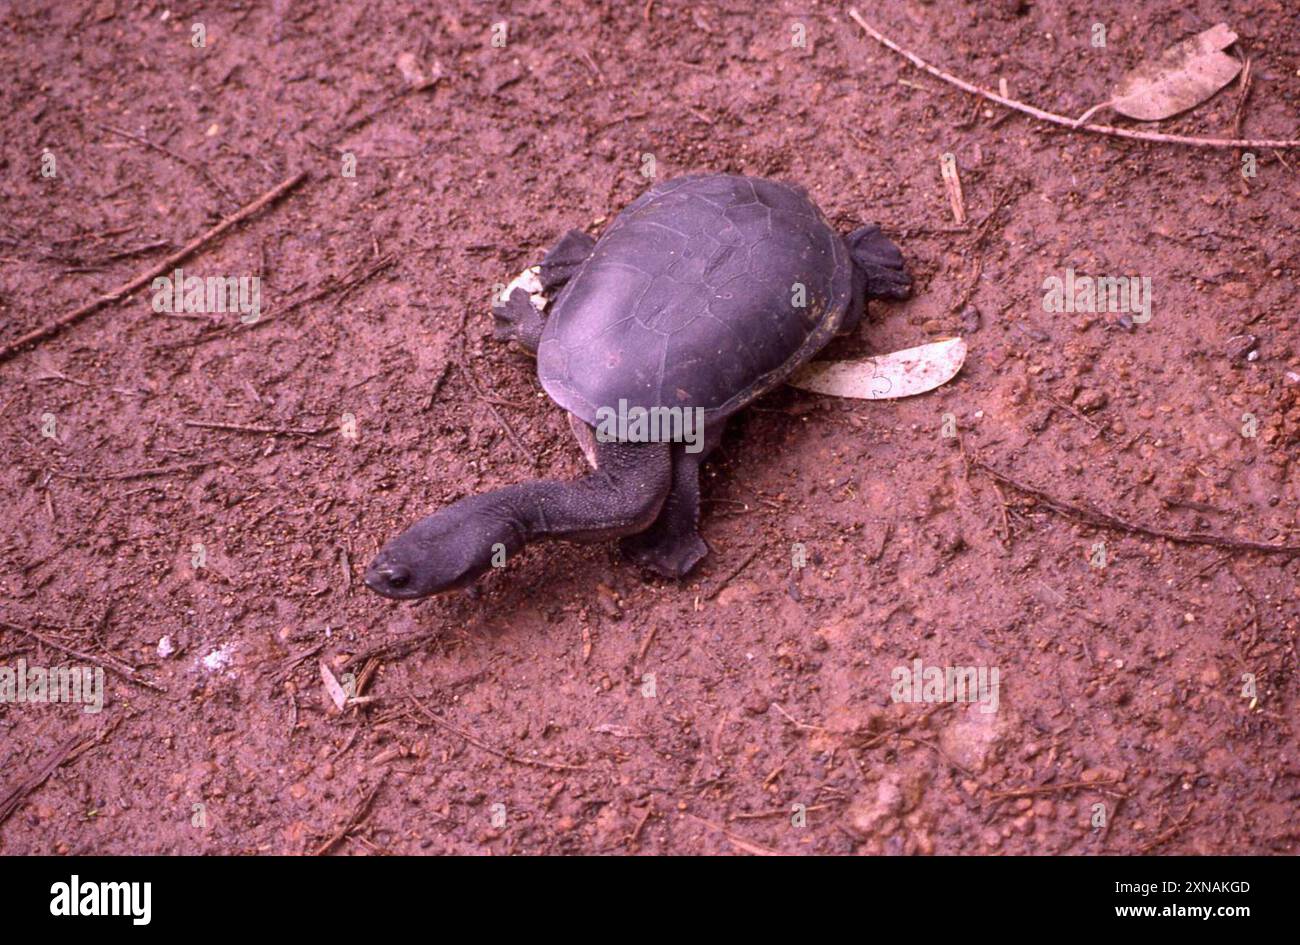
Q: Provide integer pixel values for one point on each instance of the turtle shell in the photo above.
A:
(691, 298)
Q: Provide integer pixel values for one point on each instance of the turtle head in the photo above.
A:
(443, 551)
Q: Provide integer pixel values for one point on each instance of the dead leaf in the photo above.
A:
(1185, 75)
(336, 693)
(887, 376)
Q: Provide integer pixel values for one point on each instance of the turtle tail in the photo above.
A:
(880, 262)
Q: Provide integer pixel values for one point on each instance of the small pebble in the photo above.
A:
(1242, 347)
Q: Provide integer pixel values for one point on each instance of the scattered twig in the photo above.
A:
(645, 645)
(291, 695)
(272, 431)
(1061, 120)
(113, 665)
(365, 676)
(393, 648)
(458, 337)
(1168, 834)
(952, 184)
(359, 814)
(127, 288)
(953, 762)
(740, 842)
(977, 270)
(344, 285)
(795, 722)
(388, 103)
(634, 837)
(345, 566)
(441, 379)
(1243, 93)
(138, 473)
(1050, 788)
(74, 747)
(198, 169)
(504, 755)
(731, 575)
(505, 425)
(977, 242)
(591, 64)
(1076, 413)
(1106, 520)
(1216, 563)
(293, 661)
(95, 263)
(902, 728)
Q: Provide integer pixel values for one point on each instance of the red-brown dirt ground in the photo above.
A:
(571, 704)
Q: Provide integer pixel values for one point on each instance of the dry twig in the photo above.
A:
(504, 755)
(1106, 520)
(75, 746)
(113, 665)
(353, 822)
(197, 168)
(68, 319)
(1072, 123)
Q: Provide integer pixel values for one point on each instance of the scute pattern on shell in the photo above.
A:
(688, 299)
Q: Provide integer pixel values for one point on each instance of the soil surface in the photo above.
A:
(190, 500)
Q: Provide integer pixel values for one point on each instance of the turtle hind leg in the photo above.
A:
(565, 258)
(672, 546)
(517, 319)
(880, 262)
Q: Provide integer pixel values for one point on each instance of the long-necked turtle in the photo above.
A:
(705, 293)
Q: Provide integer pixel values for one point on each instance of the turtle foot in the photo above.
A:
(518, 320)
(668, 558)
(880, 262)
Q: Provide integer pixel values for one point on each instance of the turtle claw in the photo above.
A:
(888, 284)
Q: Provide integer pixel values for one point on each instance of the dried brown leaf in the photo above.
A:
(1185, 75)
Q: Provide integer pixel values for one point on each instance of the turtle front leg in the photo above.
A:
(517, 319)
(564, 259)
(672, 546)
